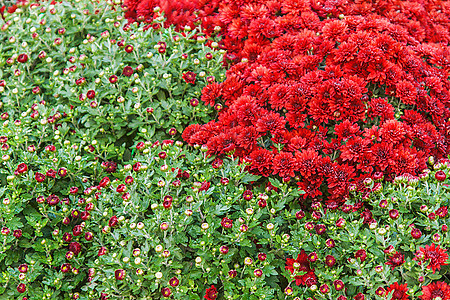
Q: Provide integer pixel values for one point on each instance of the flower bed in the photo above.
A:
(331, 94)
(318, 174)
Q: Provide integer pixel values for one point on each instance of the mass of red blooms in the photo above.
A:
(331, 93)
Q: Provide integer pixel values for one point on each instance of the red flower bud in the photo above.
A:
(416, 233)
(101, 251)
(23, 268)
(340, 222)
(312, 257)
(65, 268)
(22, 58)
(17, 233)
(127, 71)
(21, 288)
(88, 236)
(394, 214)
(330, 260)
(62, 172)
(129, 180)
(262, 203)
(324, 288)
(77, 230)
(129, 48)
(440, 175)
(120, 274)
(338, 285)
(36, 90)
(174, 281)
(166, 292)
(39, 177)
(226, 223)
(258, 273)
(361, 254)
(224, 249)
(52, 200)
(262, 256)
(232, 273)
(121, 188)
(90, 94)
(113, 221)
(85, 215)
(113, 79)
(21, 168)
(104, 182)
(194, 102)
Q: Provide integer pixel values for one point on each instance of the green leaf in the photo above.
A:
(248, 178)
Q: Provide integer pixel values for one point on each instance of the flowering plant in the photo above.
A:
(331, 94)
(393, 244)
(80, 69)
(98, 202)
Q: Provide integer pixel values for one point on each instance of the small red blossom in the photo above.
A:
(396, 260)
(211, 293)
(127, 71)
(301, 264)
(398, 291)
(434, 290)
(435, 255)
(189, 77)
(226, 223)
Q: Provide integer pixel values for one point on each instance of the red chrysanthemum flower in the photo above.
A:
(346, 129)
(223, 143)
(247, 110)
(403, 161)
(340, 178)
(311, 186)
(211, 93)
(261, 161)
(399, 291)
(407, 92)
(247, 137)
(127, 71)
(211, 293)
(270, 121)
(435, 290)
(308, 162)
(396, 260)
(189, 77)
(380, 107)
(284, 164)
(354, 149)
(434, 254)
(392, 131)
(278, 96)
(189, 132)
(226, 222)
(301, 264)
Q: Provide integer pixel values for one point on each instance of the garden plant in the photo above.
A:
(189, 149)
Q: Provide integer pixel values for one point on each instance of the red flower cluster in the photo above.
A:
(301, 264)
(436, 289)
(434, 255)
(399, 291)
(331, 94)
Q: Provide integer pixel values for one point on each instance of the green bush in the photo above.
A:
(93, 207)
